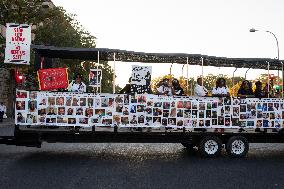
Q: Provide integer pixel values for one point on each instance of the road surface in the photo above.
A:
(136, 166)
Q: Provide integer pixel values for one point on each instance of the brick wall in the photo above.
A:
(7, 88)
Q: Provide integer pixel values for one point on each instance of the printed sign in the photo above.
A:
(95, 77)
(18, 41)
(50, 79)
(141, 78)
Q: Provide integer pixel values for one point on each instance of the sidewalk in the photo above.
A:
(7, 127)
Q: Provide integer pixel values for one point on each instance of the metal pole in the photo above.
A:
(278, 79)
(282, 80)
(187, 75)
(246, 73)
(113, 77)
(191, 86)
(171, 68)
(202, 70)
(268, 82)
(41, 62)
(182, 70)
(234, 81)
(98, 72)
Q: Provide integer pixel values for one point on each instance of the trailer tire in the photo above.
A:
(237, 147)
(210, 146)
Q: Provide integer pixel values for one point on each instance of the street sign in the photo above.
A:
(18, 41)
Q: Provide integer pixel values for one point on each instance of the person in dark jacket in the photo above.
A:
(177, 88)
(245, 89)
(258, 93)
(127, 88)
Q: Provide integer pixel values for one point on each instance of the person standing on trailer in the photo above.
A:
(258, 92)
(178, 91)
(200, 90)
(245, 89)
(77, 85)
(127, 88)
(221, 89)
(2, 111)
(166, 88)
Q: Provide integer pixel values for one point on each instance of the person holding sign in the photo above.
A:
(166, 88)
(77, 85)
(127, 88)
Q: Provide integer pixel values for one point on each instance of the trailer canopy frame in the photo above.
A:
(106, 54)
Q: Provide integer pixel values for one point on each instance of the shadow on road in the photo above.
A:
(136, 166)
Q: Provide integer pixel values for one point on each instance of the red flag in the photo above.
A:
(54, 78)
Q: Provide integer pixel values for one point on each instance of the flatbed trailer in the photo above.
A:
(209, 144)
(235, 136)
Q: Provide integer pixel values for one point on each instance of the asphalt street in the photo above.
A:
(137, 166)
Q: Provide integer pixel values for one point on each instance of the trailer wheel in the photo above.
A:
(210, 146)
(237, 147)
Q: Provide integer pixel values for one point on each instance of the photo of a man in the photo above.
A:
(95, 77)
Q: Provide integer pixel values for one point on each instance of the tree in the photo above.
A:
(57, 28)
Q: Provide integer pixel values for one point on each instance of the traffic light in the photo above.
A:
(18, 77)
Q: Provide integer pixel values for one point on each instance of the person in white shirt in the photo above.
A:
(166, 88)
(200, 90)
(77, 85)
(2, 111)
(221, 89)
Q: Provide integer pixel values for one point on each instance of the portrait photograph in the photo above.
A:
(75, 101)
(60, 101)
(21, 94)
(32, 106)
(51, 101)
(61, 110)
(72, 120)
(83, 101)
(89, 112)
(21, 117)
(20, 105)
(70, 111)
(68, 101)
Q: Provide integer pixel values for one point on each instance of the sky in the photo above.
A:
(215, 28)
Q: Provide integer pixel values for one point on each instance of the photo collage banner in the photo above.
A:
(145, 110)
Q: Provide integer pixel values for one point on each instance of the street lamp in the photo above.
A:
(254, 30)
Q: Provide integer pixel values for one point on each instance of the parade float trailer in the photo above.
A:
(208, 123)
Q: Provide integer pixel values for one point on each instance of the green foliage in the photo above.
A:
(57, 28)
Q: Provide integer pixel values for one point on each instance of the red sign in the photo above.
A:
(50, 79)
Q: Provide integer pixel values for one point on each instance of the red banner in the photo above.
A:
(54, 78)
